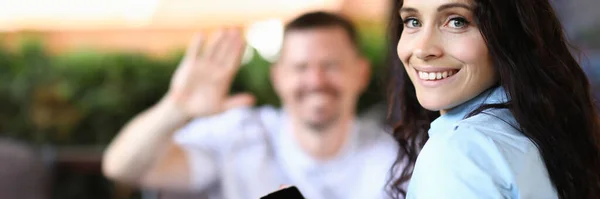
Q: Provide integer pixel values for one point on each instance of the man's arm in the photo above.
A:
(144, 153)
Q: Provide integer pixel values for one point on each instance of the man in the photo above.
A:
(233, 151)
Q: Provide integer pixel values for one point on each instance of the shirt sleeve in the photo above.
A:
(464, 164)
(204, 140)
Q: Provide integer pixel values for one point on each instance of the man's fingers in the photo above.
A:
(193, 49)
(232, 56)
(220, 58)
(232, 42)
(283, 186)
(214, 43)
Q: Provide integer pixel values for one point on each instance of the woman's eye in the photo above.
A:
(458, 23)
(412, 23)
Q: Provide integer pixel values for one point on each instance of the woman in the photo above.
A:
(492, 102)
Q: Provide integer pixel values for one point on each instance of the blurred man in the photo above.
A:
(233, 151)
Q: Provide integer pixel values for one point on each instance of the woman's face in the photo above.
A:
(444, 53)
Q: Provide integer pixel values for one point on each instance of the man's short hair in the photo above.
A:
(321, 19)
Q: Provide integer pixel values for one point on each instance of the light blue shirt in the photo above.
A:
(483, 156)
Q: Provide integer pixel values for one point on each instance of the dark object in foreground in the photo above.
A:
(287, 193)
(22, 172)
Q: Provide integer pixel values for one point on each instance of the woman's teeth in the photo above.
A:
(436, 75)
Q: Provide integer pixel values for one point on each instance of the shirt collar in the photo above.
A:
(447, 121)
(291, 152)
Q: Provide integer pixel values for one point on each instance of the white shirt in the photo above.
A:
(247, 153)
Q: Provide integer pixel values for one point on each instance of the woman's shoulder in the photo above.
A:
(489, 146)
(497, 126)
(491, 139)
(491, 136)
(482, 157)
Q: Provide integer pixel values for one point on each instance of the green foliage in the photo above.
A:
(373, 46)
(84, 97)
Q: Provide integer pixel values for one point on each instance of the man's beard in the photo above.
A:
(320, 125)
(323, 125)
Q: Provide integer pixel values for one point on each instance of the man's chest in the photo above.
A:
(256, 172)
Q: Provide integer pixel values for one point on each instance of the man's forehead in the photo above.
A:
(330, 41)
(318, 32)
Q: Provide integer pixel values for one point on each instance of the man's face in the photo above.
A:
(319, 76)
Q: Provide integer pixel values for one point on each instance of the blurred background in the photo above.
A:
(72, 72)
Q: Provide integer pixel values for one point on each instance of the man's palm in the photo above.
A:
(200, 85)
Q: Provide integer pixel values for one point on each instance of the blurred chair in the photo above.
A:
(22, 172)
